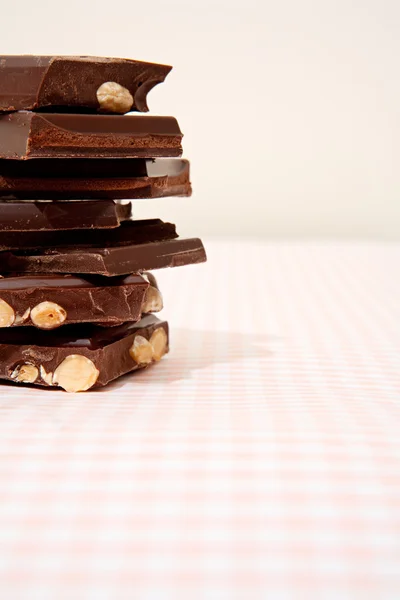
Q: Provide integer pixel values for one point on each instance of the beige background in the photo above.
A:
(290, 109)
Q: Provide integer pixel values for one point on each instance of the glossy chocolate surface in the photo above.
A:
(94, 178)
(107, 348)
(129, 232)
(117, 260)
(70, 82)
(107, 301)
(25, 135)
(22, 216)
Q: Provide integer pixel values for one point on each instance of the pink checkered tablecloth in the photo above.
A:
(260, 459)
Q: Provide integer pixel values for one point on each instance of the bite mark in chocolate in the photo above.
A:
(72, 82)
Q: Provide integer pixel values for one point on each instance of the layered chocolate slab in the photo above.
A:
(108, 261)
(26, 135)
(50, 301)
(94, 178)
(79, 357)
(129, 232)
(73, 82)
(24, 216)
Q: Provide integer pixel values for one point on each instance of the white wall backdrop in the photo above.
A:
(290, 108)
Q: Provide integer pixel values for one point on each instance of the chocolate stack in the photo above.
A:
(77, 301)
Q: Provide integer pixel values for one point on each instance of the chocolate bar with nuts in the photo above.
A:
(94, 178)
(25, 215)
(129, 232)
(26, 135)
(49, 301)
(77, 83)
(108, 261)
(79, 357)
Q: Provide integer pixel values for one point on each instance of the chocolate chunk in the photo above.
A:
(18, 216)
(71, 82)
(49, 301)
(26, 135)
(129, 232)
(78, 357)
(94, 178)
(116, 260)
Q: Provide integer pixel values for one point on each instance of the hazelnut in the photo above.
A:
(153, 301)
(114, 98)
(141, 351)
(76, 373)
(21, 319)
(47, 377)
(48, 315)
(159, 341)
(25, 373)
(7, 314)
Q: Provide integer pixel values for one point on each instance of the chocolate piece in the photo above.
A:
(117, 260)
(94, 178)
(26, 135)
(153, 301)
(129, 232)
(33, 82)
(78, 357)
(24, 216)
(49, 301)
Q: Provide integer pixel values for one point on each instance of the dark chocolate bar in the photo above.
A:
(22, 216)
(49, 301)
(25, 135)
(73, 82)
(94, 178)
(79, 357)
(129, 232)
(117, 260)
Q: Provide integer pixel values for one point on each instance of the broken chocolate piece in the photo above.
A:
(78, 357)
(114, 260)
(21, 216)
(153, 300)
(96, 178)
(49, 301)
(26, 135)
(129, 232)
(72, 82)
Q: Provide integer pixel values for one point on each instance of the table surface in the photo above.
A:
(260, 459)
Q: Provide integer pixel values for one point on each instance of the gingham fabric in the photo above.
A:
(260, 459)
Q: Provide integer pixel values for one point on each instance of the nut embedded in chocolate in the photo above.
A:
(40, 82)
(49, 301)
(25, 373)
(141, 351)
(76, 373)
(153, 301)
(159, 342)
(7, 314)
(19, 319)
(47, 377)
(48, 315)
(114, 98)
(79, 357)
